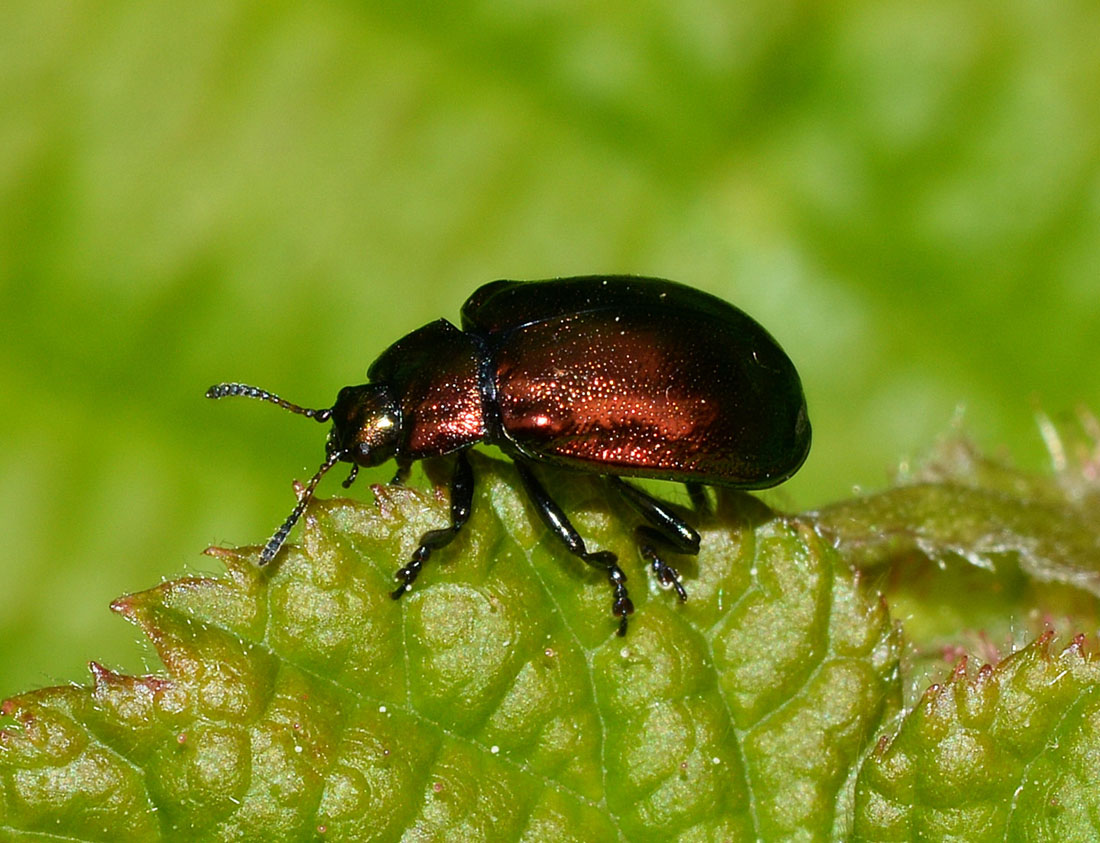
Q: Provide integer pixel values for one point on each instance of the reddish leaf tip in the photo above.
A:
(960, 668)
(123, 606)
(222, 552)
(1043, 641)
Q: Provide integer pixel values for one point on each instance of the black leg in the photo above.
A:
(554, 518)
(351, 476)
(403, 469)
(665, 527)
(462, 497)
(698, 495)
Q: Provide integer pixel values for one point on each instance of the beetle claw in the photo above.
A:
(622, 608)
(668, 577)
(621, 605)
(407, 575)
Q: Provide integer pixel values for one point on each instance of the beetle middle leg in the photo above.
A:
(664, 528)
(462, 497)
(555, 519)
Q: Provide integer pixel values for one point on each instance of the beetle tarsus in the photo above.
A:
(621, 604)
(351, 476)
(666, 575)
(665, 528)
(407, 575)
(623, 611)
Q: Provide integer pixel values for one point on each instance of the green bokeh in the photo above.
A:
(907, 196)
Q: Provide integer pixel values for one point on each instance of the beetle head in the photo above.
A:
(365, 424)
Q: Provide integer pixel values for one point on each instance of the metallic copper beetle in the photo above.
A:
(614, 375)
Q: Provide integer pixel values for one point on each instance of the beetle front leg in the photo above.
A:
(555, 519)
(462, 497)
(665, 527)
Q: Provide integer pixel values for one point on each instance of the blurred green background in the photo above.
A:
(906, 195)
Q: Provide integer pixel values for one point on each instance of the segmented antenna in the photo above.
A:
(222, 390)
(276, 540)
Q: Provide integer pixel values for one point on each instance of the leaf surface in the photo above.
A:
(492, 702)
(1007, 754)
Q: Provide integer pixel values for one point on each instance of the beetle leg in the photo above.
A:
(555, 519)
(666, 575)
(351, 476)
(403, 469)
(462, 497)
(698, 494)
(665, 527)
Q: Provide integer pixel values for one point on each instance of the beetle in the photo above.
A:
(621, 376)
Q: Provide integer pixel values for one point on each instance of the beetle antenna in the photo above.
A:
(221, 390)
(276, 540)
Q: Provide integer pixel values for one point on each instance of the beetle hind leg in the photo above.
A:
(555, 519)
(664, 528)
(462, 497)
(697, 492)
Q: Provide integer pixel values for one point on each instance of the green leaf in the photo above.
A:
(1009, 754)
(962, 504)
(495, 701)
(977, 557)
(492, 702)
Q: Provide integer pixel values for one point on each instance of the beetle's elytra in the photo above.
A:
(615, 375)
